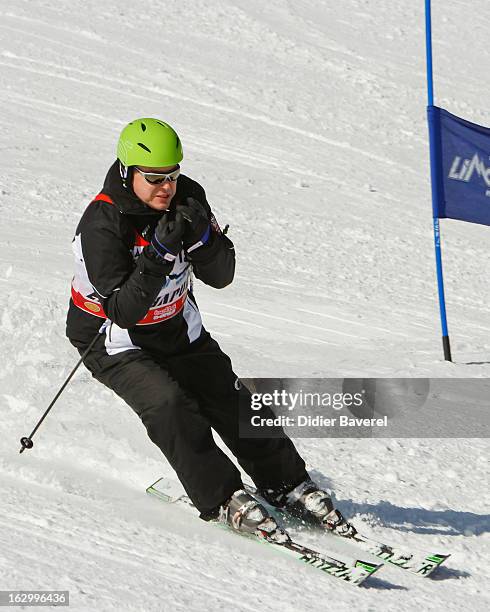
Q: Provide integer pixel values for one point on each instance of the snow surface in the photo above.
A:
(305, 122)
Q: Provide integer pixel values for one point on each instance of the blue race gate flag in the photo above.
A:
(462, 172)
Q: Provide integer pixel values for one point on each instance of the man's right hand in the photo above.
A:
(167, 239)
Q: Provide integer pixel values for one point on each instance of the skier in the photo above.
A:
(136, 248)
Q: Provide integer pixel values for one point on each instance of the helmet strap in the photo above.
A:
(125, 174)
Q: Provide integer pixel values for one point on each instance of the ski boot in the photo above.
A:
(244, 513)
(308, 502)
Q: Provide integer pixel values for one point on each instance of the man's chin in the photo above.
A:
(160, 203)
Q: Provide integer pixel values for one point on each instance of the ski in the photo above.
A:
(420, 564)
(354, 572)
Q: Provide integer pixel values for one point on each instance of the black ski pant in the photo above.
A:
(180, 399)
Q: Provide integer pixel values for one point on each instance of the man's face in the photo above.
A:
(157, 196)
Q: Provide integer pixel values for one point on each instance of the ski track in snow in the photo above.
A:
(306, 125)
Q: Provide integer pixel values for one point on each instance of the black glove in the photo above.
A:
(167, 239)
(197, 228)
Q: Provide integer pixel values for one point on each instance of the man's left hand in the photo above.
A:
(197, 228)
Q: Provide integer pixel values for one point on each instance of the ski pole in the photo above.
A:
(27, 442)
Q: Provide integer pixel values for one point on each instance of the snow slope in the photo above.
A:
(306, 124)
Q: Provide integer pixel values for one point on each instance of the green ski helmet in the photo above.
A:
(149, 142)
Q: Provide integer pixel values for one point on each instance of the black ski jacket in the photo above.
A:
(139, 300)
